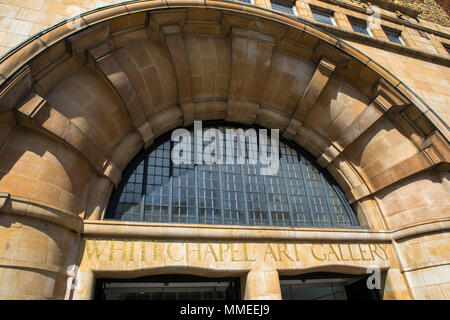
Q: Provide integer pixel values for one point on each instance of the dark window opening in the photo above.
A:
(393, 35)
(168, 287)
(360, 26)
(323, 16)
(327, 286)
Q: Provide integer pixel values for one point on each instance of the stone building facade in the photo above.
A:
(85, 102)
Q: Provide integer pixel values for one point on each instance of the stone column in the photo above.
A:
(84, 286)
(33, 251)
(262, 285)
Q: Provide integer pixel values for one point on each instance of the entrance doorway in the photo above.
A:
(327, 286)
(168, 287)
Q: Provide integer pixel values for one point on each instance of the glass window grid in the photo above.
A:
(131, 197)
(316, 193)
(157, 185)
(297, 196)
(209, 197)
(296, 188)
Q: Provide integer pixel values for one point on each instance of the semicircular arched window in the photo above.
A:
(301, 194)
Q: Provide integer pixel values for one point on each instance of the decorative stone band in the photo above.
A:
(118, 229)
(23, 264)
(26, 207)
(14, 60)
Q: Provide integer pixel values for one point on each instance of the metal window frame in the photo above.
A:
(143, 156)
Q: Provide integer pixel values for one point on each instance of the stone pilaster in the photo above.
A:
(262, 285)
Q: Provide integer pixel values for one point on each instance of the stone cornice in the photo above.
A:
(143, 230)
(11, 204)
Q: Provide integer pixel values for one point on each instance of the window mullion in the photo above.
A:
(269, 212)
(347, 207)
(327, 199)
(221, 189)
(197, 217)
(144, 188)
(247, 214)
(170, 218)
(291, 213)
(305, 183)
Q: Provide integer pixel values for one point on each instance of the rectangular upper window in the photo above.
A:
(394, 36)
(360, 27)
(323, 16)
(283, 6)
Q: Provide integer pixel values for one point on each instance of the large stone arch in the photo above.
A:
(78, 104)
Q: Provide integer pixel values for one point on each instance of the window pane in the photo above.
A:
(359, 27)
(296, 188)
(393, 36)
(317, 197)
(282, 7)
(209, 199)
(256, 195)
(129, 206)
(324, 17)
